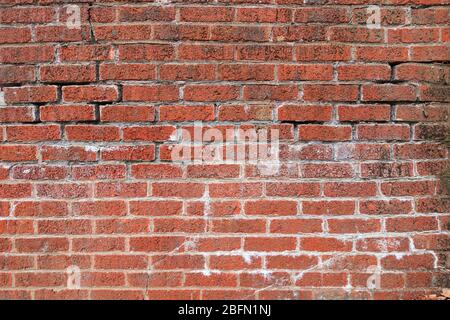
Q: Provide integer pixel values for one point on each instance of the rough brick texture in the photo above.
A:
(89, 117)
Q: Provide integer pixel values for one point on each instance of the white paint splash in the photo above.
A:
(247, 257)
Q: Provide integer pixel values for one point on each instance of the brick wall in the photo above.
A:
(96, 96)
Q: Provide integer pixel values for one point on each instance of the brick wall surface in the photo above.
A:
(96, 95)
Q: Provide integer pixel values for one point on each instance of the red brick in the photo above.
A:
(89, 93)
(123, 225)
(129, 13)
(156, 171)
(330, 92)
(386, 170)
(205, 14)
(155, 243)
(98, 172)
(210, 93)
(328, 207)
(16, 227)
(264, 53)
(271, 207)
(350, 226)
(323, 52)
(356, 113)
(389, 15)
(430, 53)
(305, 113)
(16, 74)
(33, 133)
(176, 32)
(355, 34)
(324, 132)
(26, 14)
(67, 73)
(350, 189)
(92, 133)
(384, 54)
(145, 52)
(364, 72)
(384, 244)
(18, 153)
(300, 33)
(432, 241)
(123, 32)
(156, 208)
(295, 226)
(180, 189)
(324, 244)
(121, 189)
(129, 71)
(383, 132)
(413, 35)
(120, 262)
(292, 189)
(430, 15)
(388, 92)
(150, 93)
(411, 224)
(327, 170)
(186, 113)
(30, 94)
(232, 190)
(41, 244)
(128, 153)
(385, 206)
(408, 262)
(243, 72)
(185, 72)
(70, 153)
(205, 52)
(99, 208)
(63, 191)
(240, 33)
(77, 226)
(324, 14)
(40, 280)
(152, 133)
(61, 34)
(93, 245)
(270, 244)
(433, 93)
(305, 72)
(40, 209)
(64, 113)
(27, 54)
(200, 280)
(421, 113)
(86, 52)
(399, 188)
(263, 15)
(35, 172)
(245, 113)
(127, 113)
